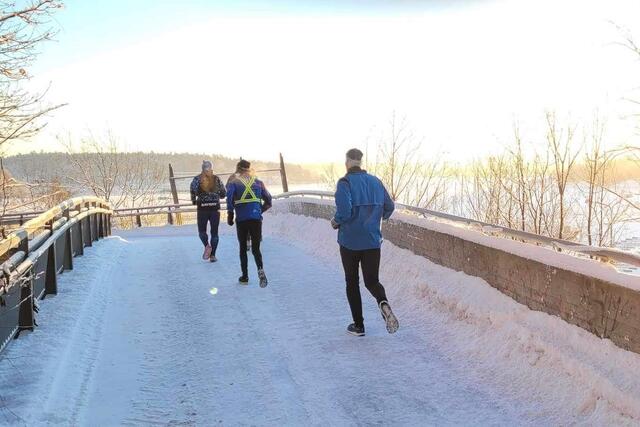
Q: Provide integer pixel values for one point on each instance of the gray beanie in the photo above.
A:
(206, 165)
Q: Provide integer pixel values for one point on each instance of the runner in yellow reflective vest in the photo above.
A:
(247, 199)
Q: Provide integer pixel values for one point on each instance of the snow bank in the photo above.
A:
(500, 343)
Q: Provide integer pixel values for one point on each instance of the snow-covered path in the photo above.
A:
(144, 341)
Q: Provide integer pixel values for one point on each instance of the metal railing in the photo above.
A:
(44, 246)
(602, 254)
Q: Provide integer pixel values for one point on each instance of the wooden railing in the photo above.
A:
(44, 246)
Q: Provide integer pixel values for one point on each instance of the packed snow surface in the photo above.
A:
(143, 332)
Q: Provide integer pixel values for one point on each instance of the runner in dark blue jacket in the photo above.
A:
(362, 203)
(249, 198)
(206, 192)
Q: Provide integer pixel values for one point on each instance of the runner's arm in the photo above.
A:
(231, 189)
(195, 183)
(389, 206)
(266, 198)
(343, 202)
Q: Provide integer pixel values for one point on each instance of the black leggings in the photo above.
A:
(369, 259)
(205, 217)
(252, 228)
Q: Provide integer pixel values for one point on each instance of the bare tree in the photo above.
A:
(430, 184)
(140, 179)
(520, 178)
(485, 194)
(596, 163)
(542, 196)
(330, 176)
(560, 141)
(101, 166)
(24, 26)
(399, 164)
(97, 162)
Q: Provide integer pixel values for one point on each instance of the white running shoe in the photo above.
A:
(263, 278)
(388, 316)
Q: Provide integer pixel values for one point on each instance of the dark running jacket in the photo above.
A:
(207, 200)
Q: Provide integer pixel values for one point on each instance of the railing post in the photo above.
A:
(90, 227)
(26, 319)
(68, 244)
(99, 219)
(51, 281)
(25, 316)
(283, 175)
(103, 226)
(174, 192)
(138, 219)
(81, 234)
(94, 224)
(169, 217)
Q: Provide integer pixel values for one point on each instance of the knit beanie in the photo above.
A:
(243, 165)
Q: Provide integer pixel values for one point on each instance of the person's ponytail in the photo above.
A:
(207, 181)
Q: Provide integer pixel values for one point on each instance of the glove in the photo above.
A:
(334, 224)
(230, 218)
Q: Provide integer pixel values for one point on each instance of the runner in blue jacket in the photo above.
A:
(249, 198)
(362, 203)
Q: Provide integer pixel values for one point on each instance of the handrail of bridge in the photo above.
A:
(603, 254)
(33, 255)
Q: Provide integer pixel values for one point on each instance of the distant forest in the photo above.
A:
(65, 168)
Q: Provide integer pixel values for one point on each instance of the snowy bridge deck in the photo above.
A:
(136, 337)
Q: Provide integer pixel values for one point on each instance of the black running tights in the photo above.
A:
(251, 228)
(369, 259)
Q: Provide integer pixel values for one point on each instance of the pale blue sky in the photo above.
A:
(88, 26)
(311, 79)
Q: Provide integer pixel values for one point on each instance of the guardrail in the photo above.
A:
(33, 255)
(602, 254)
(599, 253)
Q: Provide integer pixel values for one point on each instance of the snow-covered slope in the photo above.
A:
(139, 336)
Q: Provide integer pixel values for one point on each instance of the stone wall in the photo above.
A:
(606, 309)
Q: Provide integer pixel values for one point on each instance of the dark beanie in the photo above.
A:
(354, 154)
(243, 165)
